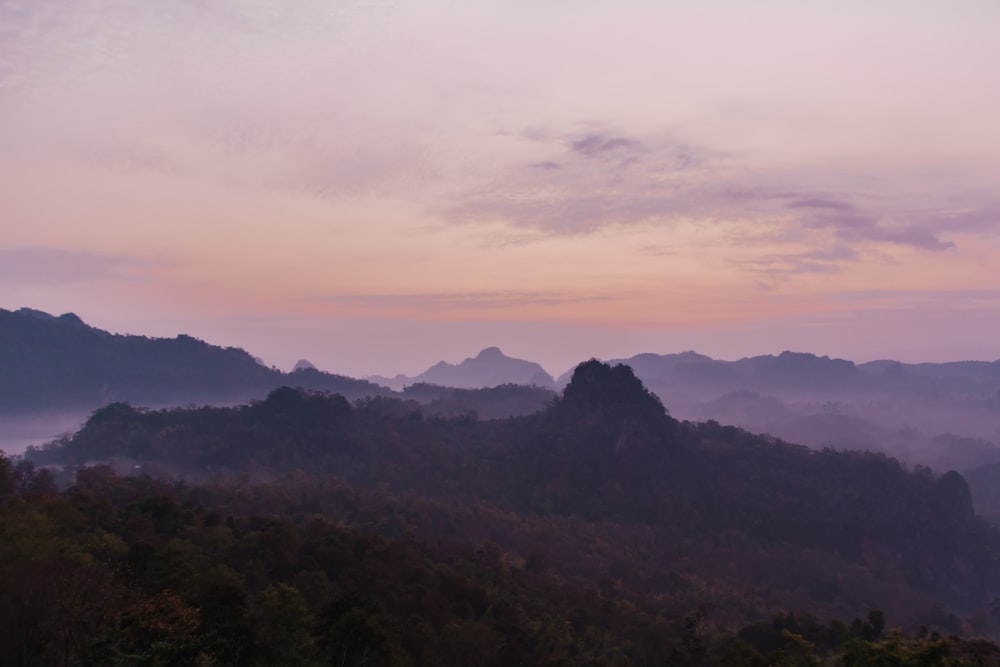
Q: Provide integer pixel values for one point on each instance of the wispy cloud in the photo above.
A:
(590, 180)
(776, 266)
(460, 301)
(983, 219)
(838, 252)
(599, 178)
(595, 145)
(55, 266)
(853, 225)
(823, 204)
(952, 297)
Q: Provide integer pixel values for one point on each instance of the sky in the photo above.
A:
(377, 185)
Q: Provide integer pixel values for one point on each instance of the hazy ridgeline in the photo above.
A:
(588, 525)
(57, 370)
(599, 530)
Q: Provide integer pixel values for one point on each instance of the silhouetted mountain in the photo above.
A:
(606, 401)
(840, 531)
(801, 371)
(788, 370)
(55, 370)
(303, 364)
(941, 415)
(60, 364)
(984, 372)
(663, 366)
(809, 373)
(490, 368)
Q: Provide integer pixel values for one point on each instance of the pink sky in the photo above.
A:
(379, 185)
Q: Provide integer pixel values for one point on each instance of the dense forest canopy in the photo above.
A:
(602, 490)
(309, 571)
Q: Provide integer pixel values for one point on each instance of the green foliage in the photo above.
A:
(282, 627)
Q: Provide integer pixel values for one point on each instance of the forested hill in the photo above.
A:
(942, 415)
(59, 363)
(604, 483)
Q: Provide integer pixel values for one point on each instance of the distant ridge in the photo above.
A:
(941, 415)
(302, 365)
(50, 363)
(489, 368)
(805, 372)
(775, 522)
(57, 369)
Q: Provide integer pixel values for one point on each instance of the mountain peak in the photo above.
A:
(66, 318)
(37, 314)
(606, 404)
(596, 385)
(72, 319)
(303, 365)
(489, 368)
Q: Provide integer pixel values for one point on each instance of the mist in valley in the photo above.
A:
(17, 433)
(942, 432)
(945, 416)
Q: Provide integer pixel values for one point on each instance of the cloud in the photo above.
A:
(459, 301)
(850, 224)
(983, 219)
(823, 260)
(588, 181)
(596, 178)
(914, 236)
(953, 297)
(820, 204)
(653, 250)
(595, 145)
(834, 253)
(55, 266)
(128, 158)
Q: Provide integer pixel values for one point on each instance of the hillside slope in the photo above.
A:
(59, 363)
(606, 482)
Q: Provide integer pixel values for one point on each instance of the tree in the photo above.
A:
(281, 625)
(352, 633)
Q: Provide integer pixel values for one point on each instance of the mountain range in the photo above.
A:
(489, 368)
(59, 363)
(944, 415)
(56, 370)
(601, 483)
(612, 487)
